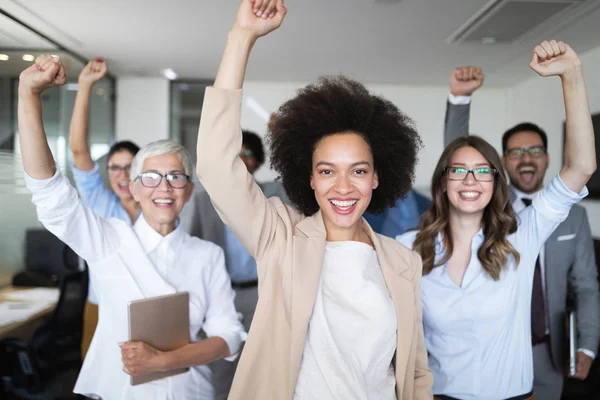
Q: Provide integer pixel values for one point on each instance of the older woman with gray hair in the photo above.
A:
(151, 258)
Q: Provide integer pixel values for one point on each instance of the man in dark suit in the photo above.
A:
(567, 259)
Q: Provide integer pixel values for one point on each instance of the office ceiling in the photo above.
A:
(405, 42)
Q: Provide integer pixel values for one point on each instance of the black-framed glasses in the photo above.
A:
(153, 179)
(483, 174)
(115, 169)
(534, 152)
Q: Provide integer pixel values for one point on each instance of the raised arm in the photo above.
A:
(59, 208)
(233, 191)
(464, 81)
(78, 133)
(46, 72)
(557, 58)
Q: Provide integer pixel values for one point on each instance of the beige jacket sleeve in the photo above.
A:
(423, 375)
(236, 196)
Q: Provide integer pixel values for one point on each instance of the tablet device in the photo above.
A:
(162, 322)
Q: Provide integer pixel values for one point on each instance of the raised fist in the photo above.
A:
(465, 80)
(93, 72)
(554, 58)
(259, 17)
(47, 71)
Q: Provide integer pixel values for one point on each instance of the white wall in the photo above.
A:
(539, 100)
(142, 109)
(425, 105)
(143, 114)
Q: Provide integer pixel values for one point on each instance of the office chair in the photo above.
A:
(47, 260)
(36, 370)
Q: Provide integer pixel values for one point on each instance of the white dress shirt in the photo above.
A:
(478, 335)
(351, 338)
(130, 263)
(518, 206)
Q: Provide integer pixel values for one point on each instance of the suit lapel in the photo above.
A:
(309, 249)
(397, 274)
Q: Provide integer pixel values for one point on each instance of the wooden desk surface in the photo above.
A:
(23, 329)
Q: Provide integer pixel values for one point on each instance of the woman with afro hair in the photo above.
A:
(339, 307)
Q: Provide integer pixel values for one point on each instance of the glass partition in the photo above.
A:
(18, 48)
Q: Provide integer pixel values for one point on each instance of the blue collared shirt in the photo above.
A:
(101, 200)
(478, 335)
(240, 264)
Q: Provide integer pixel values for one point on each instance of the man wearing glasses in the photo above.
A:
(566, 266)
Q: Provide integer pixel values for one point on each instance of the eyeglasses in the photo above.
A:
(483, 174)
(115, 169)
(534, 152)
(153, 179)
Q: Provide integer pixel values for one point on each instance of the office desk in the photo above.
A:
(23, 329)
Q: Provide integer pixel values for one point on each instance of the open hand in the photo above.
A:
(93, 72)
(140, 358)
(465, 80)
(47, 71)
(554, 58)
(259, 17)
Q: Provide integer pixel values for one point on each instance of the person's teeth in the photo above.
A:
(345, 203)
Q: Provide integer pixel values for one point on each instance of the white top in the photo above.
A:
(351, 337)
(130, 263)
(479, 335)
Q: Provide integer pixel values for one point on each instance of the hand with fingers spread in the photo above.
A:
(47, 71)
(140, 358)
(554, 58)
(259, 17)
(466, 80)
(93, 72)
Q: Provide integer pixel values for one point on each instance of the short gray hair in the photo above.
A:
(159, 148)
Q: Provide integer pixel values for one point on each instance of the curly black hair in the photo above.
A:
(337, 105)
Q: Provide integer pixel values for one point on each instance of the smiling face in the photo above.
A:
(469, 195)
(526, 169)
(119, 165)
(161, 205)
(343, 178)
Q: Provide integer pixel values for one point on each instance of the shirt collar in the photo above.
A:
(520, 195)
(150, 239)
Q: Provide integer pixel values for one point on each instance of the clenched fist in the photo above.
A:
(554, 58)
(47, 71)
(259, 17)
(93, 72)
(465, 80)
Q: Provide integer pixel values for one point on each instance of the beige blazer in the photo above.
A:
(289, 250)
